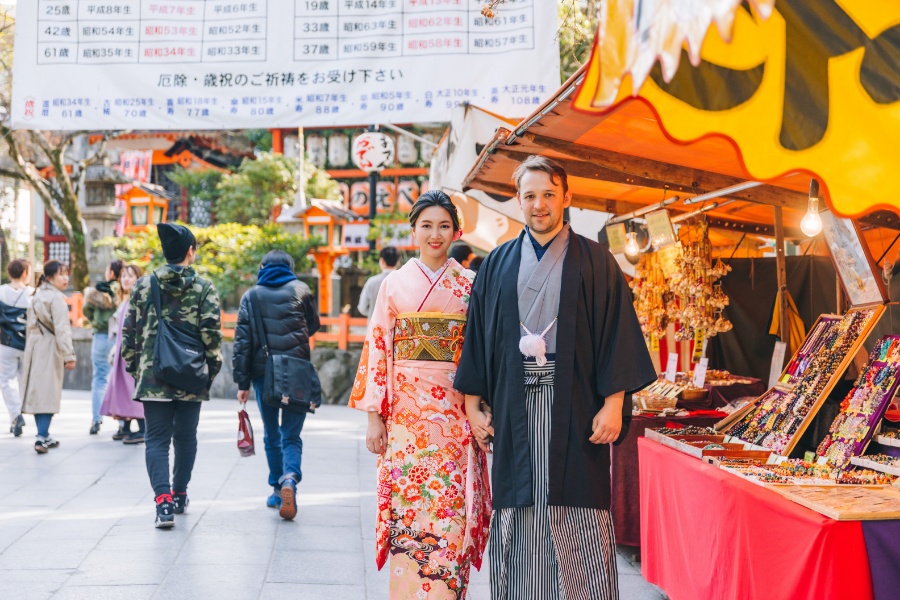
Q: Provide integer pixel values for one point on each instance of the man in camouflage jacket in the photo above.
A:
(188, 301)
(172, 414)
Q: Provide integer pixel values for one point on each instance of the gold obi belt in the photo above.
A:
(429, 336)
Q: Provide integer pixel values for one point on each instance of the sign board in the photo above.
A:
(660, 227)
(615, 234)
(777, 363)
(222, 64)
(672, 367)
(700, 373)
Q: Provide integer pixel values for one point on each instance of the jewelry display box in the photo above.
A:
(778, 419)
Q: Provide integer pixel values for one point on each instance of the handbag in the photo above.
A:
(13, 324)
(290, 382)
(245, 434)
(179, 356)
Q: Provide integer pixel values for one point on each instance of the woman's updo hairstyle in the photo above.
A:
(51, 269)
(434, 198)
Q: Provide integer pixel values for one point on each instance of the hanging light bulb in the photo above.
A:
(811, 224)
(631, 246)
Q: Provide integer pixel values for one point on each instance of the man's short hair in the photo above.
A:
(278, 257)
(542, 163)
(390, 255)
(460, 252)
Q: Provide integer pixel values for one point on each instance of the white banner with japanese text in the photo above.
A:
(232, 64)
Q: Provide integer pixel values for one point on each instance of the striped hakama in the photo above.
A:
(546, 552)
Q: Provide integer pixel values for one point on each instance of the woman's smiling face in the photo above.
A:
(434, 233)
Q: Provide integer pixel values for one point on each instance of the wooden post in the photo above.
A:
(343, 331)
(783, 329)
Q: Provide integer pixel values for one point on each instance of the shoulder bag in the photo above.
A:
(290, 382)
(12, 324)
(179, 357)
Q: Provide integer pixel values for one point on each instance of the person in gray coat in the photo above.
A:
(48, 351)
(387, 260)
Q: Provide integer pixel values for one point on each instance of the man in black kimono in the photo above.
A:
(554, 347)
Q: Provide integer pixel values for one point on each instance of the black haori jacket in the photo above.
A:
(600, 351)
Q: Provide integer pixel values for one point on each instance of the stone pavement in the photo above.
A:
(77, 523)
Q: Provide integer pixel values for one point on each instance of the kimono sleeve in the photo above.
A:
(372, 387)
(623, 361)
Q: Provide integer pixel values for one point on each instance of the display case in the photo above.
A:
(779, 418)
(864, 406)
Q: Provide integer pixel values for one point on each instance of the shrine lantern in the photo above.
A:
(145, 204)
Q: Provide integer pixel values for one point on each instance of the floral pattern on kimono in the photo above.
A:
(433, 490)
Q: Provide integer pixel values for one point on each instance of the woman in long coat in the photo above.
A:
(48, 351)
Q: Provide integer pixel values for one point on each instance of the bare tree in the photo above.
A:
(46, 162)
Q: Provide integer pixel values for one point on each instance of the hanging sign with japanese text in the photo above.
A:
(229, 64)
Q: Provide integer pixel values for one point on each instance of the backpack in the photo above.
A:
(13, 324)
(290, 383)
(179, 356)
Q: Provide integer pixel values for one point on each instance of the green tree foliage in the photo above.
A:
(200, 184)
(249, 195)
(577, 28)
(228, 254)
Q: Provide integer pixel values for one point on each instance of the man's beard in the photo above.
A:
(553, 225)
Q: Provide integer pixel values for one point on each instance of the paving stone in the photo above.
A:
(106, 592)
(222, 582)
(280, 591)
(91, 534)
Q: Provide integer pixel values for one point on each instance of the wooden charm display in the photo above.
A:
(780, 417)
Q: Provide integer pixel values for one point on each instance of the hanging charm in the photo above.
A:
(533, 345)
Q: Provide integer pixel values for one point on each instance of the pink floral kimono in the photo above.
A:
(433, 492)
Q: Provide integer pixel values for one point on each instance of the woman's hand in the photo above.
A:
(482, 429)
(69, 365)
(242, 397)
(376, 434)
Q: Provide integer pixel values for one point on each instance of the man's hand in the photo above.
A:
(69, 366)
(482, 430)
(607, 424)
(242, 396)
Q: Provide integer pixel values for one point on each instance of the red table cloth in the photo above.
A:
(706, 533)
(626, 492)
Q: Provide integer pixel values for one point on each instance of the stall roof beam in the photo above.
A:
(616, 207)
(677, 178)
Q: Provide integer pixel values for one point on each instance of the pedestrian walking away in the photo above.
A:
(556, 407)
(48, 352)
(433, 493)
(15, 298)
(289, 316)
(118, 401)
(99, 307)
(388, 257)
(172, 301)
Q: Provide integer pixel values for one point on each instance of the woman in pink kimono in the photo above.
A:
(433, 492)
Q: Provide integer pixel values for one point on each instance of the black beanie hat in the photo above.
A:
(176, 240)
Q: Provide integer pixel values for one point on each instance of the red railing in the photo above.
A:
(334, 330)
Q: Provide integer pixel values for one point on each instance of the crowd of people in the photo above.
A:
(455, 365)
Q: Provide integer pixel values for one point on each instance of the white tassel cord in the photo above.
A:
(533, 344)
